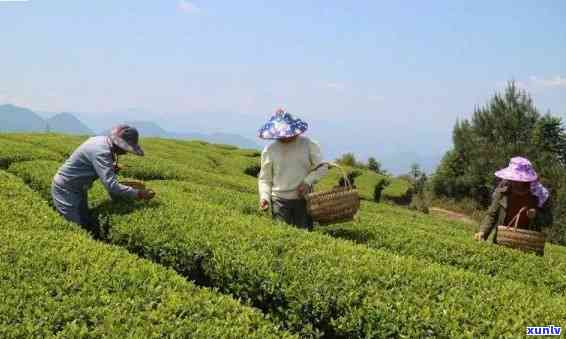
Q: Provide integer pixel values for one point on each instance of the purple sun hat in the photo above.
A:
(126, 138)
(282, 125)
(521, 170)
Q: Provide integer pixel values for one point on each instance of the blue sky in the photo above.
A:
(383, 77)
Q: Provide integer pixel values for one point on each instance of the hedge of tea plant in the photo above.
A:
(61, 144)
(57, 281)
(398, 191)
(37, 174)
(390, 230)
(314, 284)
(14, 151)
(426, 238)
(317, 285)
(365, 180)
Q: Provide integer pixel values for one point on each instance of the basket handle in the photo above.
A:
(333, 164)
(515, 220)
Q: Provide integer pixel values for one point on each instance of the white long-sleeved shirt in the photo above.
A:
(284, 166)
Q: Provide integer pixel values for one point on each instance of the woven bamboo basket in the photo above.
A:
(524, 240)
(134, 184)
(335, 206)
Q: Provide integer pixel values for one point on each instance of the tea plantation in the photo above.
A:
(201, 261)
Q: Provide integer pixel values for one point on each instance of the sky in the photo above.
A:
(378, 78)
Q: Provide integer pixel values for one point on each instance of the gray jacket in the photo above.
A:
(92, 160)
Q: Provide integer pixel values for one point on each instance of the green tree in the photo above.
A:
(549, 139)
(415, 171)
(374, 165)
(348, 159)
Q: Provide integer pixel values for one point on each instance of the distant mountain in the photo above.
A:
(150, 129)
(67, 123)
(232, 139)
(147, 129)
(19, 119)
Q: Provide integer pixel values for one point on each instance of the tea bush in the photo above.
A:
(57, 281)
(428, 239)
(61, 144)
(14, 151)
(206, 227)
(365, 182)
(316, 285)
(399, 191)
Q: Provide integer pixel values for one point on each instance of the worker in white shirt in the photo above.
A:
(290, 166)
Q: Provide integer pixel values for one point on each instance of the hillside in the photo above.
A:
(67, 123)
(24, 120)
(201, 260)
(19, 119)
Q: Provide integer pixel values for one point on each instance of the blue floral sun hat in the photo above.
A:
(282, 125)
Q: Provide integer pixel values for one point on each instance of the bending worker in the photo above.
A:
(95, 159)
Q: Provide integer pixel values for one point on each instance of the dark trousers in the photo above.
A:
(292, 212)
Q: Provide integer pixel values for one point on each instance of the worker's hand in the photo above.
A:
(532, 213)
(146, 194)
(479, 236)
(118, 168)
(303, 189)
(263, 204)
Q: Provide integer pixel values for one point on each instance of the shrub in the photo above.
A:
(399, 191)
(314, 284)
(253, 170)
(56, 281)
(14, 151)
(432, 240)
(226, 147)
(365, 181)
(379, 187)
(37, 174)
(319, 286)
(61, 144)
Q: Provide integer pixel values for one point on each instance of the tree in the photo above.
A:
(549, 139)
(374, 165)
(415, 172)
(348, 159)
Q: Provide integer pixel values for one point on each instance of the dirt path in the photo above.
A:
(453, 215)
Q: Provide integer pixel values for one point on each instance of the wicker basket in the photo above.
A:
(334, 206)
(524, 240)
(134, 184)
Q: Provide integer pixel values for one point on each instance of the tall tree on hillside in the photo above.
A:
(374, 165)
(415, 172)
(348, 159)
(549, 139)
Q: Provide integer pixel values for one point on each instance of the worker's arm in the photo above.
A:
(103, 166)
(543, 217)
(491, 217)
(265, 178)
(316, 159)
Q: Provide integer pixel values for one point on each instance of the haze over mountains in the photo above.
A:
(382, 139)
(20, 119)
